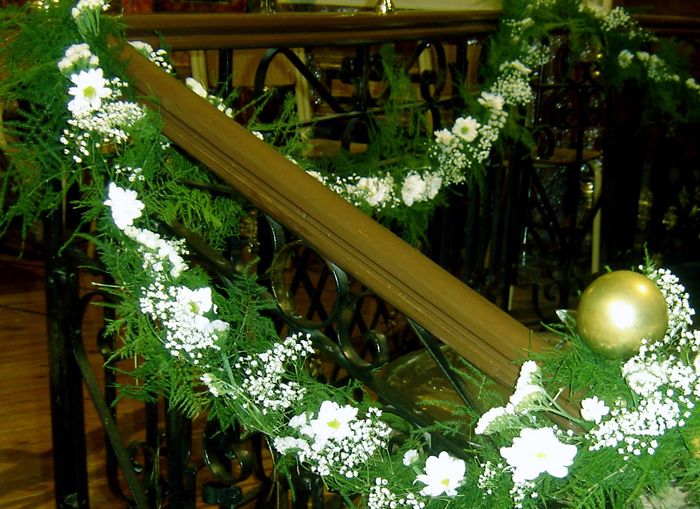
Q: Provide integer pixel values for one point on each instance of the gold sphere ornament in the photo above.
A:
(618, 310)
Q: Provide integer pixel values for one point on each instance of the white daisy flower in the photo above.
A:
(125, 205)
(333, 421)
(414, 189)
(466, 128)
(89, 90)
(536, 451)
(594, 409)
(491, 101)
(443, 474)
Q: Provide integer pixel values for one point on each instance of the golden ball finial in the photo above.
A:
(618, 310)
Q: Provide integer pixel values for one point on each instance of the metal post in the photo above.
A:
(67, 420)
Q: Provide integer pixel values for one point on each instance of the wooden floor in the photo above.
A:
(25, 439)
(26, 467)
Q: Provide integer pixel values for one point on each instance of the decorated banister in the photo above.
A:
(464, 320)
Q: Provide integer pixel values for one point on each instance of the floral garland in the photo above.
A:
(664, 377)
(459, 154)
(211, 348)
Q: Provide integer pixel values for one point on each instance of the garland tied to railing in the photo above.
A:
(209, 348)
(401, 183)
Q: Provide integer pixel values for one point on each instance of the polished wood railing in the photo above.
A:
(451, 311)
(460, 317)
(207, 31)
(222, 30)
(671, 26)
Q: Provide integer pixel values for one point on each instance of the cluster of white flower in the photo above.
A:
(537, 5)
(380, 192)
(633, 432)
(535, 450)
(458, 150)
(666, 389)
(181, 315)
(96, 106)
(489, 474)
(655, 68)
(180, 311)
(89, 5)
(264, 374)
(202, 92)
(646, 377)
(417, 188)
(158, 57)
(377, 192)
(111, 124)
(617, 19)
(513, 84)
(335, 440)
(86, 15)
(680, 314)
(45, 5)
(161, 256)
(529, 395)
(666, 386)
(469, 142)
(131, 174)
(78, 56)
(381, 497)
(517, 27)
(522, 490)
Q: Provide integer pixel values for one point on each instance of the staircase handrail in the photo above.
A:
(464, 320)
(295, 29)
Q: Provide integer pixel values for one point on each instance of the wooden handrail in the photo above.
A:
(460, 317)
(231, 30)
(670, 26)
(474, 327)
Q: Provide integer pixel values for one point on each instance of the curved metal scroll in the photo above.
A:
(359, 71)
